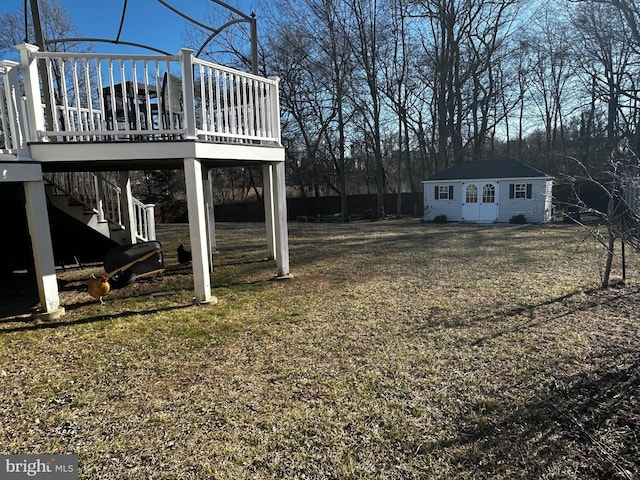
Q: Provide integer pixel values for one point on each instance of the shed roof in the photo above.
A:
(488, 169)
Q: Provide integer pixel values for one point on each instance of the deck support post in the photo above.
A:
(45, 270)
(198, 230)
(211, 218)
(281, 232)
(128, 214)
(269, 217)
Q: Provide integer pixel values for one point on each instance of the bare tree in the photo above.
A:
(464, 42)
(339, 52)
(442, 50)
(606, 60)
(308, 107)
(399, 90)
(487, 44)
(369, 41)
(630, 10)
(620, 217)
(628, 26)
(311, 53)
(552, 72)
(56, 25)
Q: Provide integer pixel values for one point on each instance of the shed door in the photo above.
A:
(471, 203)
(480, 202)
(488, 211)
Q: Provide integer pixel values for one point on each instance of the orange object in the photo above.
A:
(98, 287)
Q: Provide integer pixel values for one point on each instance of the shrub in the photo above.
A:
(440, 219)
(518, 219)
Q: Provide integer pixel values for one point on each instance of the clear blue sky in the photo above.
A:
(147, 21)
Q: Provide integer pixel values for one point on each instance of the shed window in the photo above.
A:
(488, 194)
(444, 192)
(520, 190)
(471, 194)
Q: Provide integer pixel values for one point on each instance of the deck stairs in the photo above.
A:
(95, 200)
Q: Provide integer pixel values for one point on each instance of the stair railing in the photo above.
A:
(145, 220)
(103, 198)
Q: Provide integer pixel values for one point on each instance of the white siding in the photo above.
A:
(452, 208)
(536, 209)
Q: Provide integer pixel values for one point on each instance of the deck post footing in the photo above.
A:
(210, 301)
(48, 316)
(288, 276)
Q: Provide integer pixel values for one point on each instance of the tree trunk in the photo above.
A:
(399, 177)
(610, 244)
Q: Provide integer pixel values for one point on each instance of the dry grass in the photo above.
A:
(399, 350)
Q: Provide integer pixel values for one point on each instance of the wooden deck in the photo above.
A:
(86, 112)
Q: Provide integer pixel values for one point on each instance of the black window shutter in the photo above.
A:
(436, 196)
(511, 190)
(529, 190)
(450, 192)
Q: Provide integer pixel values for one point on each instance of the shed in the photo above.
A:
(489, 191)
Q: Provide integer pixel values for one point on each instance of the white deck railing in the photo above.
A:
(10, 132)
(235, 105)
(100, 97)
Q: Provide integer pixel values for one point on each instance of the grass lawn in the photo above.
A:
(399, 350)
